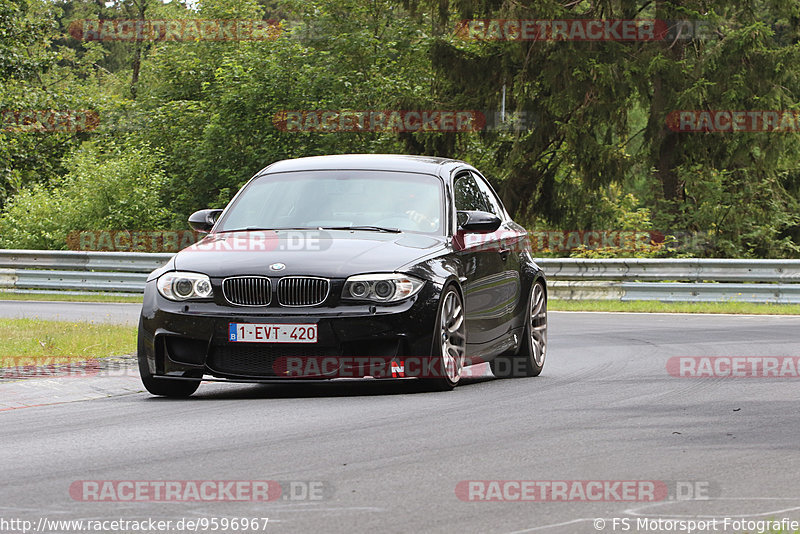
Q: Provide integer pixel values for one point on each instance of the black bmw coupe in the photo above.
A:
(348, 266)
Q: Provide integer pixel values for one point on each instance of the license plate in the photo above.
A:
(272, 333)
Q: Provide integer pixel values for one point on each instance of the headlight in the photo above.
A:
(388, 287)
(184, 286)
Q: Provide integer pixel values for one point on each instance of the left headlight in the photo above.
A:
(184, 286)
(381, 287)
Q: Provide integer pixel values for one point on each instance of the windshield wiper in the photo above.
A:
(357, 227)
(364, 227)
(261, 229)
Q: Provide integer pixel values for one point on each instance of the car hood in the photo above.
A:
(332, 254)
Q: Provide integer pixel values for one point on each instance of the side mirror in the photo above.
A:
(478, 222)
(204, 220)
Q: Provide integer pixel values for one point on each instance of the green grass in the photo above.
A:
(651, 306)
(644, 306)
(28, 341)
(68, 296)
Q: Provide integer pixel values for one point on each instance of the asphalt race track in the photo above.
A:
(98, 312)
(381, 456)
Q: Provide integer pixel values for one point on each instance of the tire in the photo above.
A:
(449, 341)
(529, 359)
(165, 387)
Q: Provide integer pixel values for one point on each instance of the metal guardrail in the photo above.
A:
(657, 270)
(71, 260)
(688, 280)
(49, 270)
(676, 292)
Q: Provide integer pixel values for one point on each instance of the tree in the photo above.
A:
(602, 109)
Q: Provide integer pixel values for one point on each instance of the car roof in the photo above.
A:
(383, 162)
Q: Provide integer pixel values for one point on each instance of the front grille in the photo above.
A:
(247, 290)
(302, 291)
(266, 359)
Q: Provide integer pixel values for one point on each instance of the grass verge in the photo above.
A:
(643, 306)
(32, 340)
(652, 306)
(67, 296)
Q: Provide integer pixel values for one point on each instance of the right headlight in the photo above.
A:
(381, 287)
(184, 286)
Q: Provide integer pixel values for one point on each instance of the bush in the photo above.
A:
(111, 189)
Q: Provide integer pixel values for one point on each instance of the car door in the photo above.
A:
(483, 267)
(510, 240)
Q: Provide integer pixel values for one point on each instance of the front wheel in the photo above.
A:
(165, 387)
(529, 360)
(450, 341)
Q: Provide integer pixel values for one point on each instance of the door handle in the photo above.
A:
(504, 253)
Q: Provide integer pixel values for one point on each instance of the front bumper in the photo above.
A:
(191, 338)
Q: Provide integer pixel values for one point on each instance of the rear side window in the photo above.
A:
(494, 204)
(469, 196)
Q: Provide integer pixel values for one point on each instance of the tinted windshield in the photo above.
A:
(333, 199)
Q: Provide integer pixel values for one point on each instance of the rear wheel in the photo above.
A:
(165, 387)
(529, 360)
(450, 341)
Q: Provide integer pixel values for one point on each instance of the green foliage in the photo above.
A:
(103, 189)
(595, 152)
(211, 105)
(601, 113)
(24, 35)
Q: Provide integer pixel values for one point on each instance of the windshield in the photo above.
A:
(339, 199)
